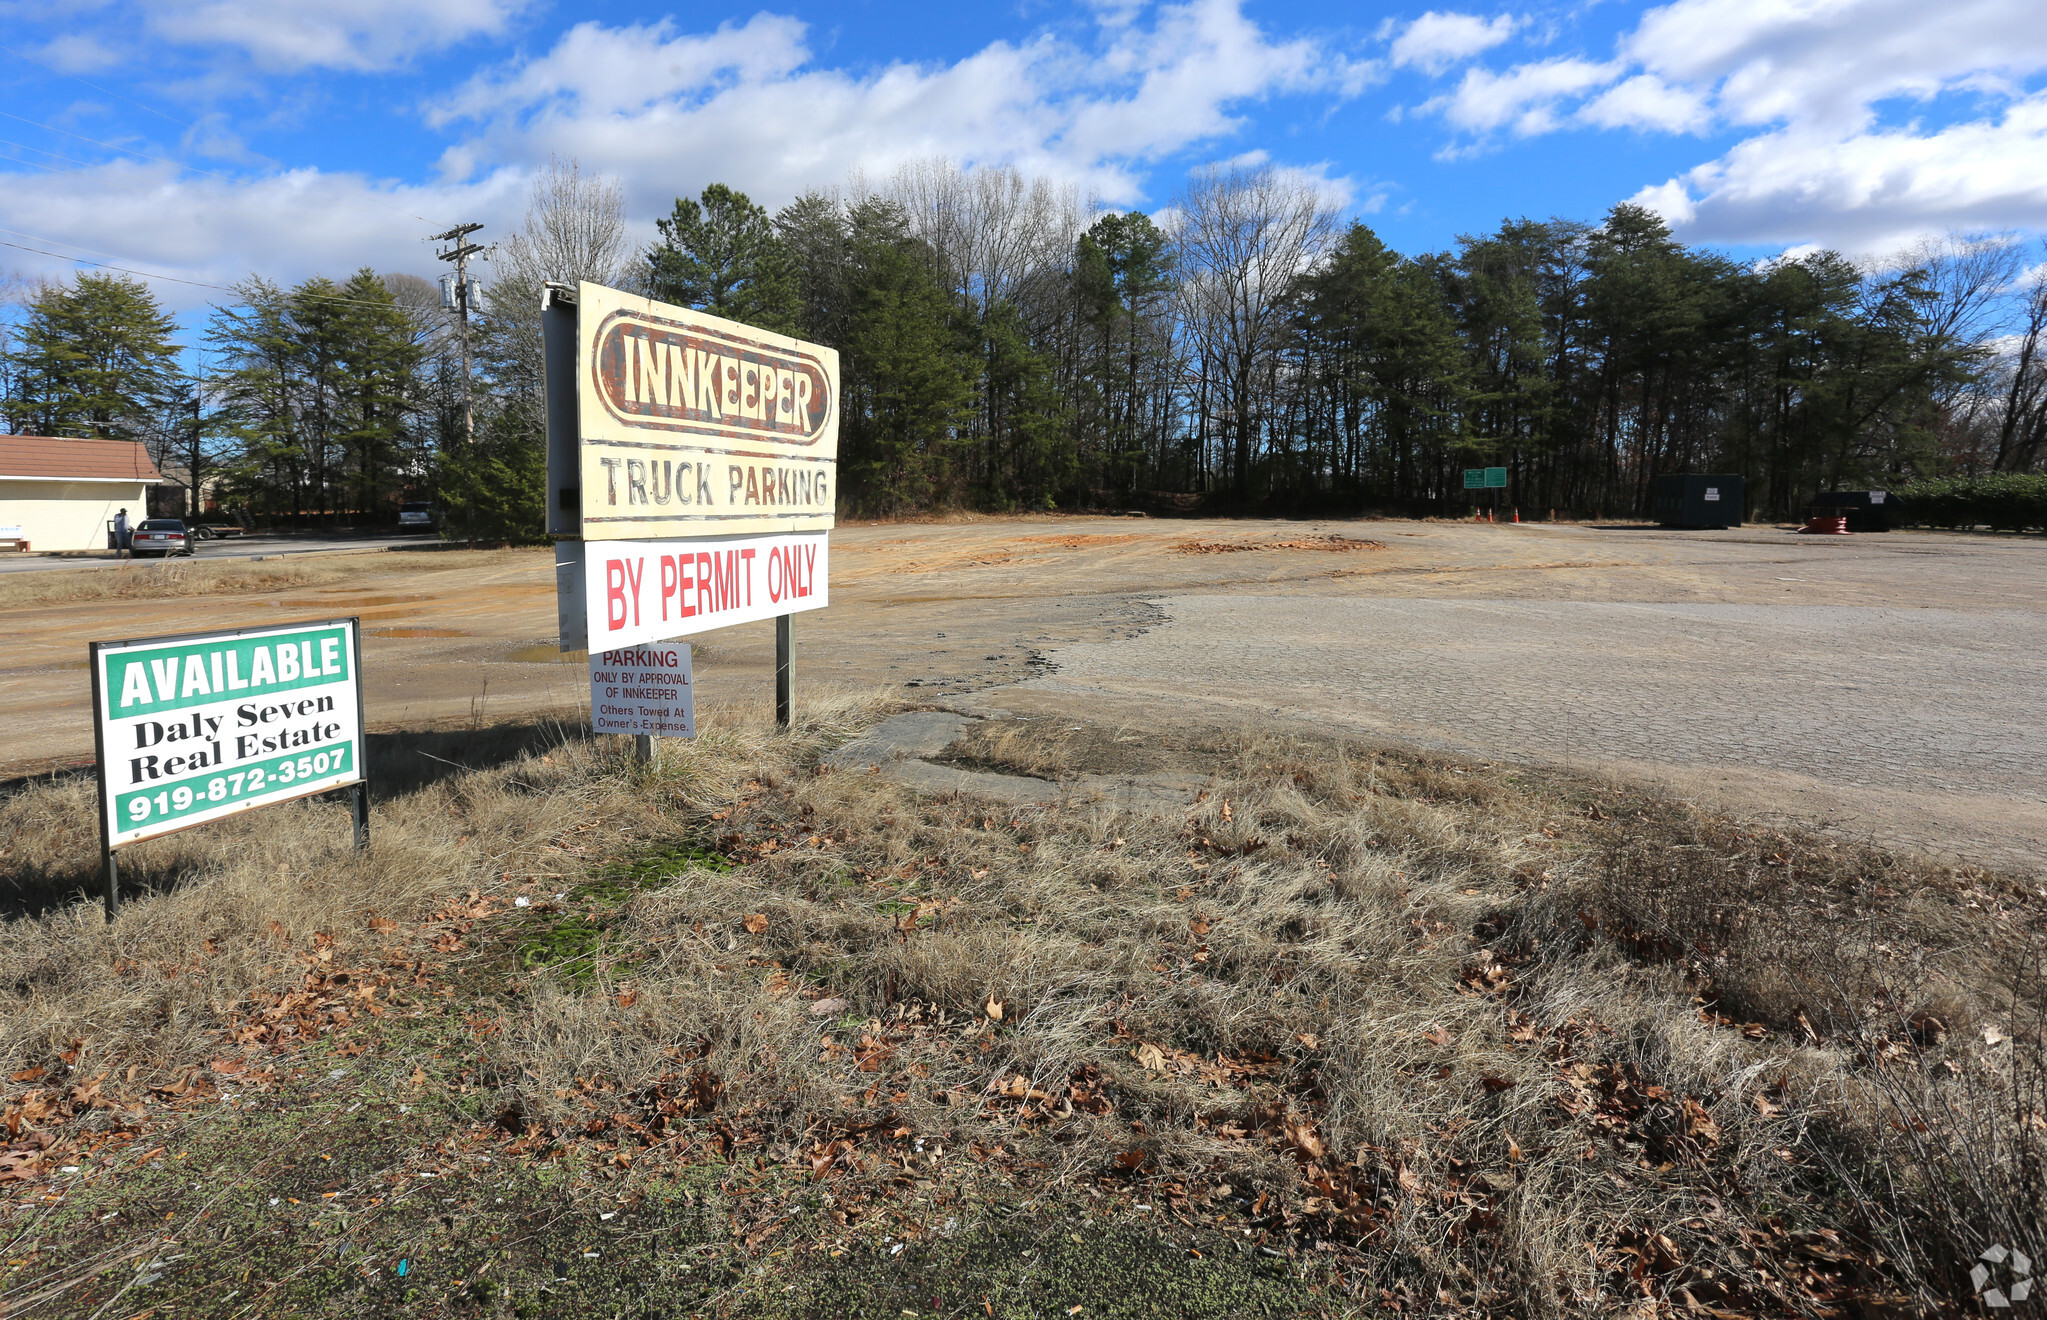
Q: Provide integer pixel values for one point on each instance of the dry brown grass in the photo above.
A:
(166, 578)
(1499, 1042)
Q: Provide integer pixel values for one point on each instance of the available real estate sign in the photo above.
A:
(692, 468)
(205, 725)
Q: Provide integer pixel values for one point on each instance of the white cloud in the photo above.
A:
(79, 53)
(1870, 192)
(1435, 41)
(285, 35)
(1646, 101)
(1829, 62)
(669, 110)
(287, 226)
(1525, 98)
(1670, 200)
(595, 70)
(1824, 89)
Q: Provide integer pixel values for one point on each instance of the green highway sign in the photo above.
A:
(207, 725)
(1474, 478)
(1485, 478)
(1496, 478)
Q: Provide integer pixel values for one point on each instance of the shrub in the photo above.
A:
(2003, 501)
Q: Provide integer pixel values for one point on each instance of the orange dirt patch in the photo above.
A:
(1339, 544)
(1078, 542)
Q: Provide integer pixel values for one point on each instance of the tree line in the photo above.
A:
(1006, 346)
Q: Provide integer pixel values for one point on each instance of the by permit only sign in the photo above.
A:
(643, 690)
(692, 425)
(205, 725)
(640, 591)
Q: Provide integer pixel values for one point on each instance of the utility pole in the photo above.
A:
(460, 254)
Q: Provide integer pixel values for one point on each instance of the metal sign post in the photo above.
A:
(785, 666)
(692, 473)
(200, 726)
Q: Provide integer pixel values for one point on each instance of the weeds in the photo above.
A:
(1424, 1034)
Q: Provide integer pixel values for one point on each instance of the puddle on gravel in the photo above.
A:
(351, 600)
(55, 667)
(547, 653)
(416, 632)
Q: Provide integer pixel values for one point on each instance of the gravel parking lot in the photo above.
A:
(1893, 687)
(1872, 698)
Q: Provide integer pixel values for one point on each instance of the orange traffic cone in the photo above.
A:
(1517, 513)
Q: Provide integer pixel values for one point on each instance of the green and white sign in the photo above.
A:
(206, 725)
(1474, 478)
(1492, 478)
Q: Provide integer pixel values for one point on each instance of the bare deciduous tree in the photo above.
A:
(2022, 369)
(574, 229)
(1245, 236)
(992, 228)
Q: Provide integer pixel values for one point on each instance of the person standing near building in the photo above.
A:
(123, 542)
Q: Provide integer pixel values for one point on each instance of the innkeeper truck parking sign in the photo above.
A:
(692, 468)
(196, 727)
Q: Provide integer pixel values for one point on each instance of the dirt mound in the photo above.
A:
(1340, 544)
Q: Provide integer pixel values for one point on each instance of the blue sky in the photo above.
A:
(210, 139)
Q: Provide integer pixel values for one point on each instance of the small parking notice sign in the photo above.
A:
(205, 725)
(643, 690)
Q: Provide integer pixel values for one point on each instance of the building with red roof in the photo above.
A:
(59, 494)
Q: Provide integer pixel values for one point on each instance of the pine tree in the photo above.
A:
(907, 367)
(94, 358)
(722, 256)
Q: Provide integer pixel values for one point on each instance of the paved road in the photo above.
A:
(240, 547)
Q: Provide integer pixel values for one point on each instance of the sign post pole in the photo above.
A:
(362, 788)
(785, 667)
(109, 872)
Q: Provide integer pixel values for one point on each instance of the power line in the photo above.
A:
(179, 279)
(45, 151)
(141, 155)
(460, 254)
(61, 243)
(97, 88)
(90, 167)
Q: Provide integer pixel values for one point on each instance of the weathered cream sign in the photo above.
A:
(691, 425)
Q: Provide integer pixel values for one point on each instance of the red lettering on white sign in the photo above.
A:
(654, 590)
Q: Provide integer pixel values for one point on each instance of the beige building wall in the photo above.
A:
(68, 515)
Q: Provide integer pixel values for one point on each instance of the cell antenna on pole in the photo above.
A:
(456, 295)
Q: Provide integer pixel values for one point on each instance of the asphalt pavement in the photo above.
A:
(236, 547)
